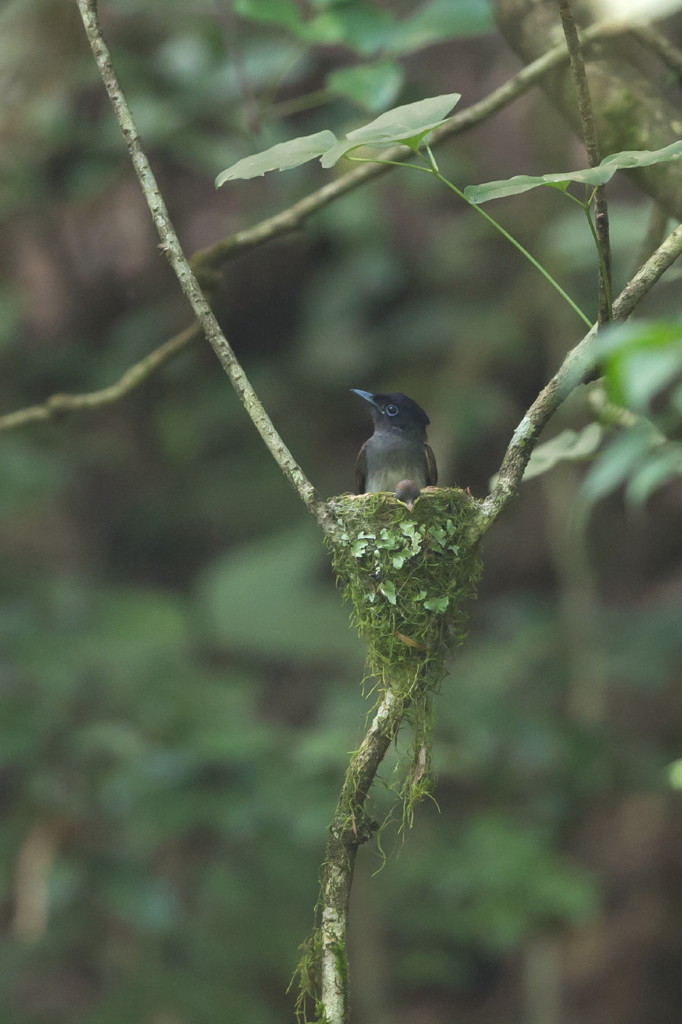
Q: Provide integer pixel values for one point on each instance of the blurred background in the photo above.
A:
(179, 685)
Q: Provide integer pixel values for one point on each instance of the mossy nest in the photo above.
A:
(409, 574)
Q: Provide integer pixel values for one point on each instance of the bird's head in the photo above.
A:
(395, 412)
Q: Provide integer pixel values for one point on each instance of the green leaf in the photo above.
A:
(655, 471)
(362, 27)
(275, 12)
(372, 86)
(388, 540)
(358, 547)
(616, 463)
(645, 374)
(281, 157)
(437, 604)
(409, 121)
(525, 182)
(568, 446)
(643, 157)
(590, 176)
(387, 588)
(639, 360)
(440, 20)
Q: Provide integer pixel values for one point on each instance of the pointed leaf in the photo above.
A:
(397, 125)
(643, 157)
(590, 176)
(525, 182)
(405, 121)
(280, 157)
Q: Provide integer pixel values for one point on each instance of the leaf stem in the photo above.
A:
(432, 167)
(388, 163)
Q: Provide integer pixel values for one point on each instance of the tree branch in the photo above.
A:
(589, 133)
(347, 831)
(631, 111)
(291, 219)
(187, 279)
(577, 364)
(208, 263)
(60, 404)
(349, 827)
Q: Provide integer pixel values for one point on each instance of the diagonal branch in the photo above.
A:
(349, 828)
(291, 219)
(632, 112)
(208, 263)
(186, 277)
(572, 372)
(59, 405)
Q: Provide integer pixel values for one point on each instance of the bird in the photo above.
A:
(396, 457)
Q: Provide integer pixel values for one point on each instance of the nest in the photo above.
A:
(408, 574)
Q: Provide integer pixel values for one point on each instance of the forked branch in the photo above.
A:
(208, 263)
(349, 828)
(578, 363)
(186, 277)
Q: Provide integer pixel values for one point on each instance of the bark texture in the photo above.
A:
(633, 108)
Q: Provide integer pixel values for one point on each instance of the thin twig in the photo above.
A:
(60, 404)
(589, 132)
(577, 364)
(208, 263)
(187, 279)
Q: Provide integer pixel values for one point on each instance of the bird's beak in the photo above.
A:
(367, 395)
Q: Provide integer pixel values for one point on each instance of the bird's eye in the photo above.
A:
(391, 410)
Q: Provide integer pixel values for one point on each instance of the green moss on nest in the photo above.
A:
(408, 575)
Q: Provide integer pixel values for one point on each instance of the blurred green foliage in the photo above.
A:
(179, 685)
(642, 365)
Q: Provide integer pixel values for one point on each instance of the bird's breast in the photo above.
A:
(391, 458)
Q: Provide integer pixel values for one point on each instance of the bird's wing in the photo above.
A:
(361, 471)
(431, 467)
